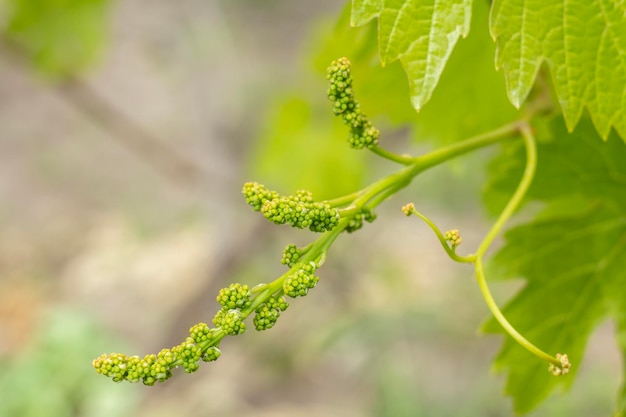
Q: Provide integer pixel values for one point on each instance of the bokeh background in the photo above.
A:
(126, 131)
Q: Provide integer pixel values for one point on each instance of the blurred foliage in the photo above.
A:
(53, 375)
(61, 37)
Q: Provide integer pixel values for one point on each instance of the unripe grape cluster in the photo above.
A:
(563, 367)
(362, 132)
(234, 296)
(453, 237)
(356, 222)
(230, 321)
(267, 313)
(299, 210)
(291, 254)
(202, 344)
(158, 368)
(298, 283)
(233, 299)
(269, 300)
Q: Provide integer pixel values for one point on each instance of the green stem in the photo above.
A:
(520, 192)
(343, 200)
(480, 141)
(401, 159)
(374, 202)
(493, 307)
(316, 252)
(402, 178)
(450, 251)
(509, 209)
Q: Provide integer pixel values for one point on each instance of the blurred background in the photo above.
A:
(126, 131)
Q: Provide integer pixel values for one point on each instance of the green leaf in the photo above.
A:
(420, 33)
(470, 97)
(365, 10)
(62, 37)
(588, 169)
(584, 44)
(571, 254)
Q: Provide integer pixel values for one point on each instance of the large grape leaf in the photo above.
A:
(573, 255)
(583, 42)
(420, 33)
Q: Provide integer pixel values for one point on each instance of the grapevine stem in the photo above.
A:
(401, 159)
(448, 152)
(493, 307)
(512, 205)
(343, 200)
(450, 251)
(377, 192)
(520, 192)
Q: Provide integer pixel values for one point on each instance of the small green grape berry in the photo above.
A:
(211, 354)
(257, 194)
(201, 333)
(277, 303)
(301, 281)
(268, 313)
(265, 317)
(356, 222)
(114, 366)
(564, 366)
(189, 353)
(453, 237)
(230, 321)
(234, 296)
(291, 254)
(134, 371)
(304, 196)
(325, 218)
(408, 209)
(369, 216)
(161, 368)
(147, 364)
(364, 135)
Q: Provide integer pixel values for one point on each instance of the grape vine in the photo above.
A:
(266, 301)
